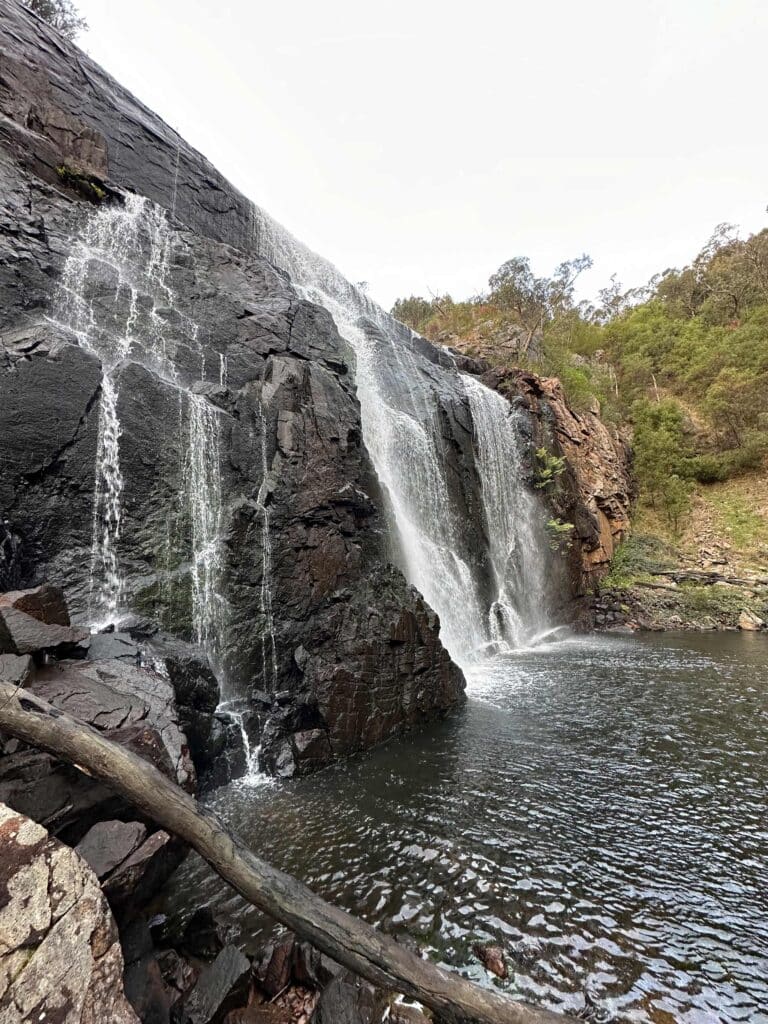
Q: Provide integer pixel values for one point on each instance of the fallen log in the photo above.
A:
(347, 940)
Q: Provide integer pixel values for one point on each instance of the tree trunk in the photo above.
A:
(352, 943)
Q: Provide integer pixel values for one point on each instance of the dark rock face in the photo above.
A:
(45, 603)
(349, 1000)
(312, 604)
(109, 843)
(131, 705)
(22, 634)
(221, 987)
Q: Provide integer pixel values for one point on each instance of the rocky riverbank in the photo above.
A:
(679, 600)
(79, 948)
(80, 868)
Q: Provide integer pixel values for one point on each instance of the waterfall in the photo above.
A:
(517, 540)
(399, 391)
(104, 255)
(115, 295)
(205, 507)
(269, 661)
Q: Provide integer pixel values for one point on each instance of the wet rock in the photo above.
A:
(21, 633)
(178, 974)
(45, 603)
(145, 986)
(143, 874)
(372, 657)
(109, 646)
(349, 1000)
(205, 934)
(60, 959)
(221, 987)
(274, 970)
(597, 490)
(313, 968)
(15, 668)
(131, 706)
(197, 698)
(493, 959)
(109, 843)
(403, 1013)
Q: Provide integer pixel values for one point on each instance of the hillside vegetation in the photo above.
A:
(683, 362)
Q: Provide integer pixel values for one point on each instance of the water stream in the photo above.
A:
(116, 296)
(598, 809)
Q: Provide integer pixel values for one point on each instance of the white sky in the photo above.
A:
(419, 148)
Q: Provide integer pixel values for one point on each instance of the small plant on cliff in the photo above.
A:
(86, 186)
(559, 534)
(61, 14)
(548, 468)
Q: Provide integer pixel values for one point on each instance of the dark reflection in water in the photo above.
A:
(599, 807)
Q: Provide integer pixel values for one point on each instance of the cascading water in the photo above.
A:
(516, 536)
(205, 506)
(115, 295)
(269, 658)
(399, 390)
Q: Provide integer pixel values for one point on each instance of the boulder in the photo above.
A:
(403, 1013)
(45, 603)
(145, 986)
(60, 958)
(178, 974)
(349, 1000)
(142, 874)
(109, 646)
(750, 622)
(131, 705)
(222, 986)
(21, 633)
(313, 968)
(15, 668)
(205, 934)
(197, 697)
(109, 843)
(274, 970)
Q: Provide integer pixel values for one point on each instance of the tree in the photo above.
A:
(535, 301)
(413, 311)
(62, 14)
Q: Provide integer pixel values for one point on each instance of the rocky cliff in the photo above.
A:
(180, 437)
(596, 491)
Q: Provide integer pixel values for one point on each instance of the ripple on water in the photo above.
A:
(598, 808)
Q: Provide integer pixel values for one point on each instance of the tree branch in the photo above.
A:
(352, 943)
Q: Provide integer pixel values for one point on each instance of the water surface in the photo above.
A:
(599, 808)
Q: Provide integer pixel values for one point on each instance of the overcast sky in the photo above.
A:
(418, 146)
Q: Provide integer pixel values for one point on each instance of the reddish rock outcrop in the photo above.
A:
(60, 959)
(597, 490)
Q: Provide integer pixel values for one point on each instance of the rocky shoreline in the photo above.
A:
(680, 600)
(81, 870)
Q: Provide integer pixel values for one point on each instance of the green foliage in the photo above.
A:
(559, 534)
(61, 14)
(676, 501)
(548, 469)
(637, 559)
(88, 187)
(413, 311)
(684, 361)
(743, 526)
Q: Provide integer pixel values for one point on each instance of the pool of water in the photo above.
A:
(598, 808)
